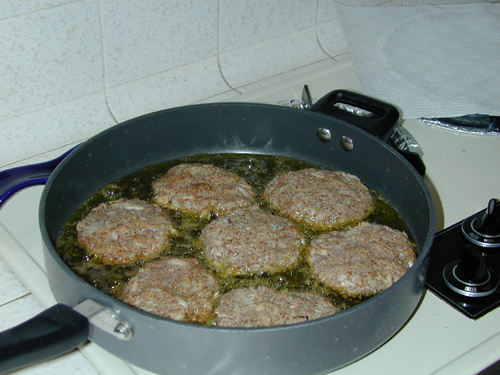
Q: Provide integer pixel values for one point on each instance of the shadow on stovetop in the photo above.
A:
(494, 369)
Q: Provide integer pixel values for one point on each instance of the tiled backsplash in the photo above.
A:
(71, 68)
(74, 68)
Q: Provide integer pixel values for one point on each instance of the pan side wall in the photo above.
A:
(316, 347)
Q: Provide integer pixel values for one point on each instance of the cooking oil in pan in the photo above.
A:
(257, 170)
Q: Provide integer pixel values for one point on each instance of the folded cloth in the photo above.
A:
(430, 60)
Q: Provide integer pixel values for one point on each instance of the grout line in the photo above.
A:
(103, 60)
(218, 50)
(60, 149)
(15, 299)
(316, 29)
(2, 121)
(39, 10)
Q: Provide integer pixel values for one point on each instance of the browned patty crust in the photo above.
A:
(202, 189)
(251, 241)
(263, 307)
(361, 261)
(320, 199)
(125, 230)
(173, 287)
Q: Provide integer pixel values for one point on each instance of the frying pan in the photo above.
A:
(169, 347)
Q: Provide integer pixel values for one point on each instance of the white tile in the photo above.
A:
(49, 56)
(322, 78)
(184, 85)
(12, 8)
(40, 158)
(271, 57)
(222, 97)
(269, 82)
(410, 2)
(18, 311)
(331, 37)
(143, 38)
(244, 23)
(73, 363)
(19, 219)
(11, 287)
(327, 10)
(50, 128)
(343, 56)
(329, 30)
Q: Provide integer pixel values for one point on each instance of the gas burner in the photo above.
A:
(465, 263)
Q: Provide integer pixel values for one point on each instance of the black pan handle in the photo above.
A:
(55, 331)
(377, 117)
(374, 116)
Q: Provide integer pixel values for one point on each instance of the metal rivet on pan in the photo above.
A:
(346, 143)
(324, 135)
(123, 331)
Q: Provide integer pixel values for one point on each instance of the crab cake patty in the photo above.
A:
(263, 307)
(361, 261)
(125, 230)
(320, 199)
(251, 241)
(202, 189)
(173, 287)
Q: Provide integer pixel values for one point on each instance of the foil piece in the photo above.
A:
(354, 110)
(404, 140)
(294, 103)
(470, 124)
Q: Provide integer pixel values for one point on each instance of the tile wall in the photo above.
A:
(72, 68)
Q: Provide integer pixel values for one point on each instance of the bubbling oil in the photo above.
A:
(257, 170)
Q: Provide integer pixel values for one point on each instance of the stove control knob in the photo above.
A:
(483, 229)
(489, 223)
(469, 276)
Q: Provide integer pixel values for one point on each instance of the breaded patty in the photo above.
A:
(125, 230)
(173, 287)
(202, 189)
(361, 261)
(320, 199)
(251, 241)
(263, 307)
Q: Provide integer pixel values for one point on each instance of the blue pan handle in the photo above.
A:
(16, 179)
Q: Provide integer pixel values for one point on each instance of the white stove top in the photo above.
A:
(462, 177)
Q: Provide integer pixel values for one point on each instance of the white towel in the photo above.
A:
(430, 60)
